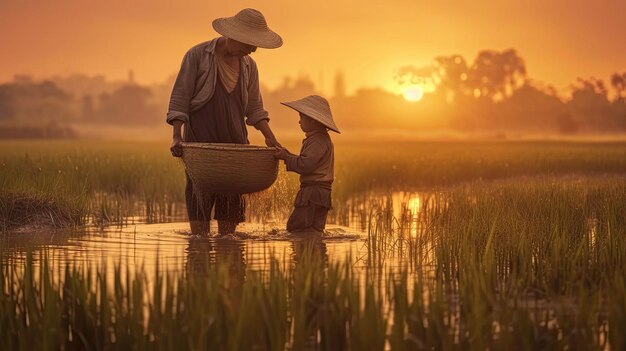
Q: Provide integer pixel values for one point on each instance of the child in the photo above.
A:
(315, 164)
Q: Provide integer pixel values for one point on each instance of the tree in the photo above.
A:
(451, 74)
(618, 81)
(340, 85)
(290, 89)
(36, 103)
(495, 75)
(7, 111)
(591, 105)
(87, 107)
(127, 105)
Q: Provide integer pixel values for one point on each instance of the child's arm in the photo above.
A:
(308, 160)
(282, 153)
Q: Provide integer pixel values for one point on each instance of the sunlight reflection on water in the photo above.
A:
(172, 248)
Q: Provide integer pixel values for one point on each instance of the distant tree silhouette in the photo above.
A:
(537, 109)
(618, 107)
(80, 84)
(88, 111)
(451, 74)
(290, 89)
(567, 124)
(493, 94)
(618, 81)
(495, 75)
(339, 85)
(127, 105)
(590, 105)
(27, 102)
(7, 110)
(409, 76)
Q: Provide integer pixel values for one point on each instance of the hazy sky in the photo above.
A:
(367, 40)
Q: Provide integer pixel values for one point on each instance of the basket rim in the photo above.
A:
(226, 146)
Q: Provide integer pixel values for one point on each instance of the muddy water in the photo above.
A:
(173, 248)
(170, 248)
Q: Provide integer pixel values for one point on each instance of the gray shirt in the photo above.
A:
(316, 160)
(196, 81)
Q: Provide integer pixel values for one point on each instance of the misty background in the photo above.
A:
(490, 94)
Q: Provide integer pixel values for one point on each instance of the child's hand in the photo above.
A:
(281, 153)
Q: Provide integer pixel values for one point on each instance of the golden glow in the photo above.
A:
(414, 206)
(415, 93)
(155, 49)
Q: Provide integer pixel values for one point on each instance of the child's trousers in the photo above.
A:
(310, 217)
(310, 207)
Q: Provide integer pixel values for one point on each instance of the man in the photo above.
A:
(215, 95)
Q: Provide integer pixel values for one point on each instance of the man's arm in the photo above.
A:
(177, 138)
(180, 100)
(270, 139)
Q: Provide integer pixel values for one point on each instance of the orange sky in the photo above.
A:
(367, 40)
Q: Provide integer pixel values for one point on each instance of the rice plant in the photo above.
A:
(112, 182)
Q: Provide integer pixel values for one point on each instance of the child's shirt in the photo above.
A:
(315, 164)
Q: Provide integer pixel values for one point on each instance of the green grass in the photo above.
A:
(104, 182)
(311, 304)
(543, 235)
(110, 182)
(517, 245)
(520, 264)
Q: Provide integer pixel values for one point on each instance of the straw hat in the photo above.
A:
(248, 26)
(315, 107)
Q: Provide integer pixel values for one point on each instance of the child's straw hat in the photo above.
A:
(315, 107)
(248, 26)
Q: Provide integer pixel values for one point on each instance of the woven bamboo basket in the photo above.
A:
(230, 168)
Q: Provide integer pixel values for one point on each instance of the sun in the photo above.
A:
(414, 93)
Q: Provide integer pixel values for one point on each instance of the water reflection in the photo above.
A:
(404, 233)
(203, 252)
(314, 246)
(170, 246)
(406, 208)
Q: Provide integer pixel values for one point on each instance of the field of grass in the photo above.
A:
(93, 182)
(516, 245)
(522, 266)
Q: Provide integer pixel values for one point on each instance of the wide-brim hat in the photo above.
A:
(315, 107)
(248, 26)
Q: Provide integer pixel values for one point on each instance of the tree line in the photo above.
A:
(491, 93)
(494, 92)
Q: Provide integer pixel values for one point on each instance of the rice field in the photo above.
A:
(107, 183)
(464, 246)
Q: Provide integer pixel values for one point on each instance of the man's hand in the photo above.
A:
(176, 148)
(272, 142)
(281, 153)
(270, 139)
